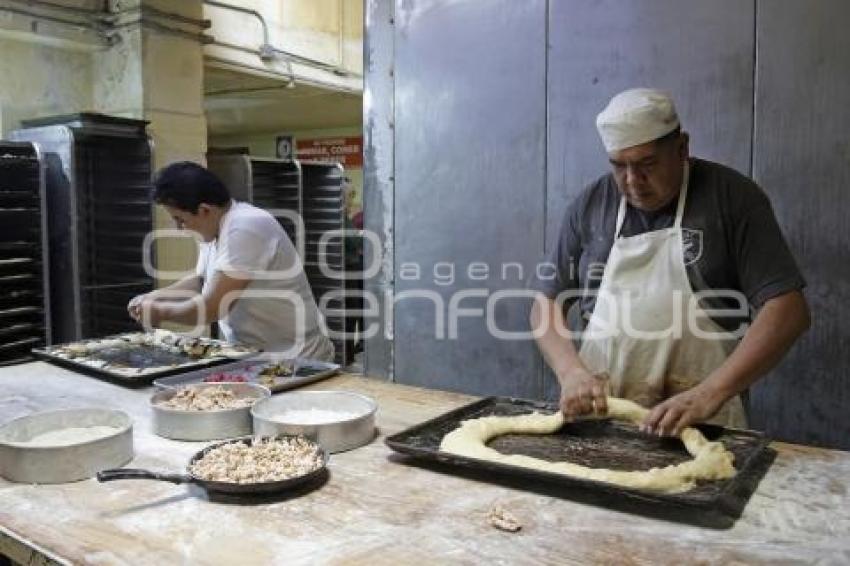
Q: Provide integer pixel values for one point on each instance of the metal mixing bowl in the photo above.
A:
(69, 462)
(333, 436)
(205, 425)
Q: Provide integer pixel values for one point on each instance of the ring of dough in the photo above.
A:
(711, 460)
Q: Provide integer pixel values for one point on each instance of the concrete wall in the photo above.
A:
(40, 80)
(327, 36)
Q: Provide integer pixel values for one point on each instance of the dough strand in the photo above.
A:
(711, 460)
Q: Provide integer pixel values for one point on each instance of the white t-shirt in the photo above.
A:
(277, 305)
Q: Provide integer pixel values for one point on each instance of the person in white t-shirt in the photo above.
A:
(249, 277)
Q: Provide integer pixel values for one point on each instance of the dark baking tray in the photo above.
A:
(307, 371)
(597, 443)
(140, 355)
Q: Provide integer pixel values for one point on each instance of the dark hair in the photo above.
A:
(186, 185)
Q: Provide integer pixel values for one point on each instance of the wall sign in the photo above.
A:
(347, 151)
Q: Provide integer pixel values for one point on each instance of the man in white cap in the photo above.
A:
(665, 259)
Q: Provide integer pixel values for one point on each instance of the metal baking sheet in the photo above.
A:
(306, 371)
(598, 443)
(136, 364)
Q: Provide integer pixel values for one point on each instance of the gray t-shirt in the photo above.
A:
(731, 238)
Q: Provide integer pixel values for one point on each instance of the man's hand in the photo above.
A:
(670, 417)
(147, 309)
(152, 311)
(583, 392)
(134, 307)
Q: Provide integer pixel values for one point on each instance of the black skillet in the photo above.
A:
(232, 488)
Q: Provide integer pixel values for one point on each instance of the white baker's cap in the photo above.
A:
(636, 116)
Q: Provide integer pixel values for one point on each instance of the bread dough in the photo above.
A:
(711, 460)
(502, 519)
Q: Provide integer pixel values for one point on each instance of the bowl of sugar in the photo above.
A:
(337, 420)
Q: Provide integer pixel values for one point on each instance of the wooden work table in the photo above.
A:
(376, 509)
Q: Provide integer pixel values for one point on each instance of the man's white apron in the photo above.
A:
(641, 332)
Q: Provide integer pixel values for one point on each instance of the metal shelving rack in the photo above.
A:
(271, 184)
(24, 285)
(323, 206)
(98, 173)
(315, 192)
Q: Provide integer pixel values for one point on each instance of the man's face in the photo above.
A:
(202, 222)
(650, 175)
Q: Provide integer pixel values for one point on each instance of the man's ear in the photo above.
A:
(684, 149)
(203, 210)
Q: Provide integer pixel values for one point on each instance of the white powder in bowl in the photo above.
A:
(68, 436)
(312, 416)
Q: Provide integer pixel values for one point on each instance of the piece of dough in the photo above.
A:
(502, 519)
(711, 460)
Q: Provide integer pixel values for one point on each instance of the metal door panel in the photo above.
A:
(469, 162)
(802, 150)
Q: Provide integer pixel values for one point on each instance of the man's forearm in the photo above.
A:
(204, 308)
(179, 290)
(582, 392)
(777, 326)
(188, 312)
(555, 341)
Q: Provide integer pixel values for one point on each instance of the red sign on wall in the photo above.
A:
(347, 151)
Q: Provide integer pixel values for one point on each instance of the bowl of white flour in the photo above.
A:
(64, 446)
(337, 420)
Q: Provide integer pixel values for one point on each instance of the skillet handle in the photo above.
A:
(136, 474)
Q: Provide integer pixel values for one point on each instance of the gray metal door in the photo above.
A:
(469, 177)
(802, 160)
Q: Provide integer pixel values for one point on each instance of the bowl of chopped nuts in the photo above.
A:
(206, 411)
(243, 467)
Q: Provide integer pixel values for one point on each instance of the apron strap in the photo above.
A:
(621, 215)
(683, 196)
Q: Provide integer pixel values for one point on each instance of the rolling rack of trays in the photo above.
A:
(98, 173)
(314, 192)
(271, 184)
(323, 208)
(24, 289)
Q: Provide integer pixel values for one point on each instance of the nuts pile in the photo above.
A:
(206, 399)
(263, 460)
